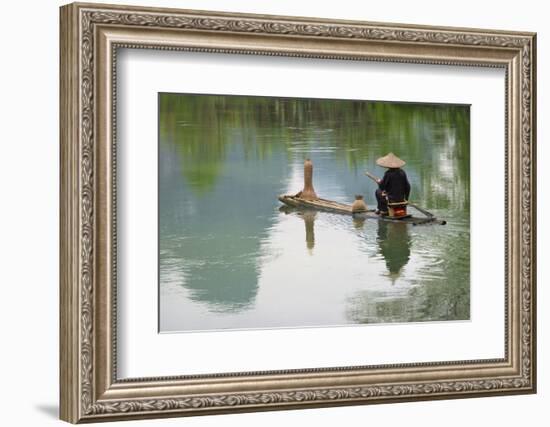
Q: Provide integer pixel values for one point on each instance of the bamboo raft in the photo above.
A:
(341, 208)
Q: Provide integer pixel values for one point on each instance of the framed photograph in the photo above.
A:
(267, 212)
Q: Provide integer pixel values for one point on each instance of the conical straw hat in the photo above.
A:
(390, 160)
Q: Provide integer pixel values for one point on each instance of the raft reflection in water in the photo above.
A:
(393, 239)
(410, 292)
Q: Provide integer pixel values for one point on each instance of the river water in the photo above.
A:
(231, 258)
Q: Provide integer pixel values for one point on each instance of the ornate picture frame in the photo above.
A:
(90, 37)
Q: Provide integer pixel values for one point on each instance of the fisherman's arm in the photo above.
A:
(383, 183)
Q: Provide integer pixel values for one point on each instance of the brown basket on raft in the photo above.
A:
(397, 209)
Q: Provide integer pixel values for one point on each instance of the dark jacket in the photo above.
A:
(396, 185)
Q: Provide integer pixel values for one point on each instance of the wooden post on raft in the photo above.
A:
(308, 193)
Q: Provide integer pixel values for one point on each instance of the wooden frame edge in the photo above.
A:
(71, 209)
(69, 221)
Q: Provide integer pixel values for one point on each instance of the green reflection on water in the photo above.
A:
(228, 255)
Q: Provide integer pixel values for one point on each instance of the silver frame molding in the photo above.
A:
(90, 37)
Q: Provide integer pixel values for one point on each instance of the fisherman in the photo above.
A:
(394, 187)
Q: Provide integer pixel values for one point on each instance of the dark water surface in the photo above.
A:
(230, 258)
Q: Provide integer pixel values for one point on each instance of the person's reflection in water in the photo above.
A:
(394, 243)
